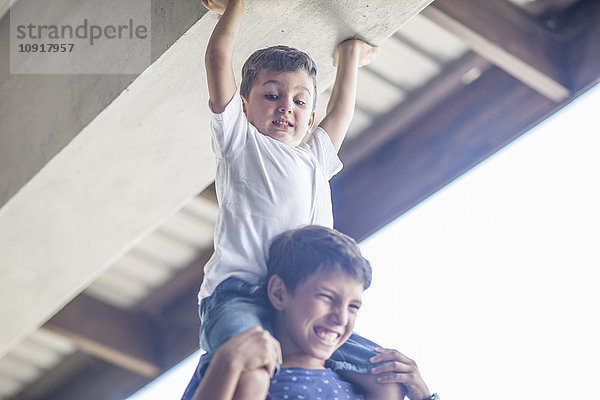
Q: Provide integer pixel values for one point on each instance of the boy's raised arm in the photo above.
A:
(219, 52)
(349, 56)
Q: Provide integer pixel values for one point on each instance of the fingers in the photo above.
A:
(276, 354)
(274, 358)
(395, 372)
(397, 368)
(361, 49)
(218, 6)
(257, 348)
(393, 366)
(367, 55)
(206, 4)
(390, 355)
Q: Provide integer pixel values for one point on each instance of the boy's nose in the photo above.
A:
(285, 107)
(340, 316)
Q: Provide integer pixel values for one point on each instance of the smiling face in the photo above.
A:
(317, 318)
(280, 105)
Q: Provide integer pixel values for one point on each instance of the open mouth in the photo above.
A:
(327, 336)
(283, 124)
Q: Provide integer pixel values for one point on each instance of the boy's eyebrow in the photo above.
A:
(275, 81)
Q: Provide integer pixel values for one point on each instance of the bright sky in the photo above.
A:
(493, 284)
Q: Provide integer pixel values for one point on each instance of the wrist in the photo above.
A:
(419, 391)
(235, 7)
(350, 48)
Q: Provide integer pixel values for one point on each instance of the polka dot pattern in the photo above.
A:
(310, 384)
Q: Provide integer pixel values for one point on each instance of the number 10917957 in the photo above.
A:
(46, 47)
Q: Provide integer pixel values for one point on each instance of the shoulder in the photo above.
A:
(230, 128)
(319, 140)
(232, 109)
(320, 145)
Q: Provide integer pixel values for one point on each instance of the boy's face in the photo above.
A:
(318, 318)
(280, 105)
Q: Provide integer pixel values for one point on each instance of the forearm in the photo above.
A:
(219, 56)
(219, 382)
(340, 108)
(343, 93)
(225, 32)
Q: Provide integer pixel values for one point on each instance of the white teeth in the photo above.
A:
(329, 337)
(282, 123)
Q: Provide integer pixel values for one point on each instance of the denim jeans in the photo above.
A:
(236, 306)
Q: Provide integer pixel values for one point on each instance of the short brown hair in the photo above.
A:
(279, 59)
(295, 255)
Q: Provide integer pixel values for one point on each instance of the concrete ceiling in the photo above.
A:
(77, 200)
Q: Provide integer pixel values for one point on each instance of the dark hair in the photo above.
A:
(279, 59)
(295, 255)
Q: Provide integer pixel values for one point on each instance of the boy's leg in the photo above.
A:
(373, 389)
(353, 355)
(253, 385)
(351, 361)
(235, 306)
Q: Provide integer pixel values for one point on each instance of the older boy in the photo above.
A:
(317, 276)
(268, 180)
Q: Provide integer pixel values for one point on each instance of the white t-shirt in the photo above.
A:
(264, 188)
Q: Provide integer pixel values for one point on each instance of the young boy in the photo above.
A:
(317, 276)
(268, 180)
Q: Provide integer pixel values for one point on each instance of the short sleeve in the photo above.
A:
(229, 128)
(320, 145)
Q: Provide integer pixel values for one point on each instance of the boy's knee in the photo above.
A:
(253, 384)
(389, 391)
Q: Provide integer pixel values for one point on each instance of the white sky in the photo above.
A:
(493, 284)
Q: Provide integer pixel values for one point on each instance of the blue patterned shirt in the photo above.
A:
(311, 384)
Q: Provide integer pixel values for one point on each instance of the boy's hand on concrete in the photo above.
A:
(218, 6)
(400, 369)
(364, 51)
(252, 349)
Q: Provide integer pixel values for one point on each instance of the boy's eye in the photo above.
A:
(271, 96)
(354, 308)
(300, 102)
(326, 296)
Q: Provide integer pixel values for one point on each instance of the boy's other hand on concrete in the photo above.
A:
(218, 6)
(366, 52)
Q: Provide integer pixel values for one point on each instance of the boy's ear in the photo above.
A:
(277, 292)
(243, 104)
(311, 122)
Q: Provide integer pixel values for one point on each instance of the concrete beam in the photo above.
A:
(515, 42)
(142, 156)
(40, 114)
(124, 338)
